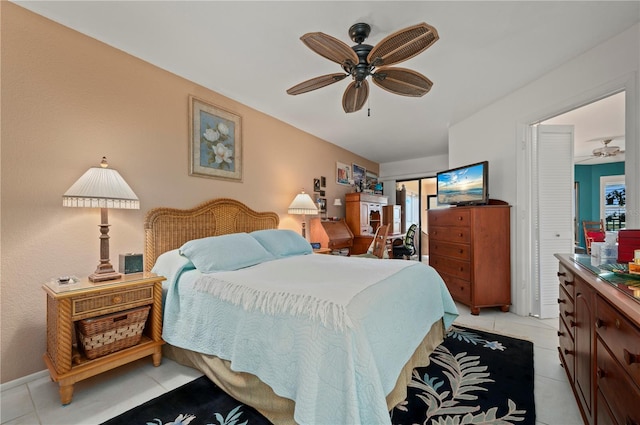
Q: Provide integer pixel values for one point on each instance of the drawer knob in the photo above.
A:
(560, 274)
(630, 358)
(460, 218)
(560, 333)
(617, 323)
(600, 373)
(461, 251)
(599, 323)
(561, 301)
(567, 352)
(460, 234)
(117, 299)
(568, 314)
(568, 282)
(572, 324)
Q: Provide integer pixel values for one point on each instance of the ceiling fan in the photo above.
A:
(604, 151)
(607, 150)
(364, 60)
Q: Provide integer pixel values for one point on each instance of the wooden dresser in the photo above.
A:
(470, 249)
(599, 341)
(333, 235)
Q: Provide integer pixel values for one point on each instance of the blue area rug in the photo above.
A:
(475, 377)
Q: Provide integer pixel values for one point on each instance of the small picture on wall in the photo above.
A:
(343, 173)
(323, 181)
(316, 185)
(322, 204)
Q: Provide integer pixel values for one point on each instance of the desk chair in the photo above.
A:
(593, 232)
(408, 247)
(379, 244)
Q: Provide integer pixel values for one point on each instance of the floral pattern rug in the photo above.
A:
(475, 377)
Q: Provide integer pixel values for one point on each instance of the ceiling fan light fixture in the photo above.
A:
(606, 150)
(363, 60)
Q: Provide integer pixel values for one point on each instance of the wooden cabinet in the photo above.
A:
(332, 235)
(392, 215)
(599, 343)
(69, 303)
(470, 249)
(364, 215)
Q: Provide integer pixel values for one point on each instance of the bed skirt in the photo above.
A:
(248, 389)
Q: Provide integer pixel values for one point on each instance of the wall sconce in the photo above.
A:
(102, 187)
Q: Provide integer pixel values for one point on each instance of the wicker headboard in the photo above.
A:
(169, 228)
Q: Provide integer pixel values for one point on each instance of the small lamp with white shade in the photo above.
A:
(302, 204)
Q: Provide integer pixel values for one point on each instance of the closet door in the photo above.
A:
(554, 194)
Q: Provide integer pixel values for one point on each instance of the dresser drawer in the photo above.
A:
(450, 234)
(450, 217)
(621, 395)
(447, 249)
(459, 289)
(456, 268)
(566, 346)
(105, 302)
(567, 310)
(620, 336)
(566, 280)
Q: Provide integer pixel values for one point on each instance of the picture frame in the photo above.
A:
(359, 175)
(322, 205)
(215, 141)
(323, 181)
(343, 173)
(316, 185)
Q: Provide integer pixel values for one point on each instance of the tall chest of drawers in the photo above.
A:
(470, 249)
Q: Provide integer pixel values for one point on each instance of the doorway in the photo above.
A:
(590, 129)
(415, 196)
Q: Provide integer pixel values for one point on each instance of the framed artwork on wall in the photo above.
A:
(322, 204)
(215, 141)
(343, 173)
(359, 175)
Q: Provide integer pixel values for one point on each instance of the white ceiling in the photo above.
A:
(251, 52)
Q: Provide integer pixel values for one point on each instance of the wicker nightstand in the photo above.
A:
(69, 303)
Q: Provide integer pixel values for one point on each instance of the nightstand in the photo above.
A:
(69, 303)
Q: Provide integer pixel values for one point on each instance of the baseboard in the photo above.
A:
(24, 380)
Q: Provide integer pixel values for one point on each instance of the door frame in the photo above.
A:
(524, 261)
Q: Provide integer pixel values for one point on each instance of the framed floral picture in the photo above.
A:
(215, 141)
(343, 173)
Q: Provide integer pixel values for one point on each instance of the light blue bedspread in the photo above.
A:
(335, 376)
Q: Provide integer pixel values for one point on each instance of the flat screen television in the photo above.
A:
(467, 185)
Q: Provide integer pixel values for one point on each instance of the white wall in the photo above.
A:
(495, 133)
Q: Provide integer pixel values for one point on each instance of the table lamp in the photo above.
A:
(104, 188)
(303, 204)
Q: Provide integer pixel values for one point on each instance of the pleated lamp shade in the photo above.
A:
(101, 187)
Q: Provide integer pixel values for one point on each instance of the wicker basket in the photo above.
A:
(102, 335)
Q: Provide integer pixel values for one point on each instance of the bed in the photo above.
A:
(303, 338)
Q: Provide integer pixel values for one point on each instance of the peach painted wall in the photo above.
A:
(67, 100)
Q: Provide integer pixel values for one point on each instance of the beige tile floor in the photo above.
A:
(34, 401)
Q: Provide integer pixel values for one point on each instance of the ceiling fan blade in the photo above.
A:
(331, 48)
(354, 97)
(316, 83)
(402, 81)
(403, 45)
